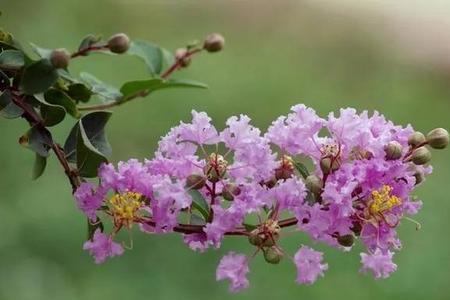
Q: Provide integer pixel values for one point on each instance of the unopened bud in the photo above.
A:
(214, 42)
(60, 58)
(195, 181)
(356, 228)
(180, 56)
(271, 182)
(119, 43)
(421, 156)
(255, 238)
(327, 164)
(416, 138)
(314, 184)
(230, 190)
(438, 138)
(286, 168)
(271, 240)
(272, 255)
(393, 150)
(346, 240)
(216, 167)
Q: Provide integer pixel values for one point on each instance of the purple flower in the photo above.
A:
(379, 263)
(200, 130)
(89, 200)
(234, 267)
(309, 265)
(102, 246)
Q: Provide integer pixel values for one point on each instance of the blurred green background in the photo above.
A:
(277, 54)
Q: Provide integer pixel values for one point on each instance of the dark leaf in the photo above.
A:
(199, 203)
(52, 114)
(8, 109)
(40, 163)
(79, 92)
(36, 141)
(92, 227)
(151, 54)
(42, 52)
(106, 92)
(38, 77)
(60, 98)
(12, 59)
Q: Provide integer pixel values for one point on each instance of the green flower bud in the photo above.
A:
(416, 138)
(346, 240)
(272, 255)
(60, 58)
(327, 164)
(270, 241)
(314, 184)
(195, 181)
(214, 42)
(438, 138)
(421, 156)
(393, 150)
(255, 238)
(180, 56)
(119, 43)
(230, 190)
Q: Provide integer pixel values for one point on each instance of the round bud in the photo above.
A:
(421, 156)
(60, 58)
(119, 43)
(271, 182)
(272, 255)
(393, 150)
(419, 176)
(214, 42)
(416, 138)
(230, 190)
(327, 165)
(314, 184)
(195, 181)
(438, 138)
(180, 56)
(255, 238)
(270, 241)
(346, 240)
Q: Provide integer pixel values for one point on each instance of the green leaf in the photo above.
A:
(12, 59)
(40, 163)
(89, 158)
(249, 227)
(60, 98)
(92, 227)
(42, 52)
(132, 88)
(79, 92)
(8, 109)
(301, 168)
(89, 41)
(199, 203)
(93, 127)
(196, 220)
(103, 90)
(38, 77)
(36, 141)
(52, 114)
(152, 55)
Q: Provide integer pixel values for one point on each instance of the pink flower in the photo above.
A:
(89, 200)
(379, 263)
(309, 265)
(234, 267)
(102, 246)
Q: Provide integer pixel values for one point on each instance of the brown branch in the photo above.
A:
(85, 51)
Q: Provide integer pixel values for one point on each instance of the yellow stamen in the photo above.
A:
(383, 201)
(125, 207)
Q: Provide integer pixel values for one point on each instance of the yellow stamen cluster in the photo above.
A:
(125, 207)
(383, 201)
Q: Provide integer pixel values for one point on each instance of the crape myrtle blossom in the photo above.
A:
(206, 183)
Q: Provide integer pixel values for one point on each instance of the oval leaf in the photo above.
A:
(12, 59)
(38, 77)
(8, 109)
(152, 55)
(40, 163)
(199, 203)
(105, 91)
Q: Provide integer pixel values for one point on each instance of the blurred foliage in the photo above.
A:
(276, 56)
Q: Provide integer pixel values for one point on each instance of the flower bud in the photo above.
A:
(230, 190)
(286, 168)
(119, 43)
(214, 42)
(356, 228)
(272, 255)
(60, 58)
(327, 164)
(438, 138)
(195, 181)
(270, 241)
(314, 184)
(271, 182)
(216, 167)
(416, 138)
(346, 240)
(255, 238)
(180, 56)
(393, 150)
(421, 156)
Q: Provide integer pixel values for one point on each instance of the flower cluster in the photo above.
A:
(206, 184)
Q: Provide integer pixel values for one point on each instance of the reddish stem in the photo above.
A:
(85, 51)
